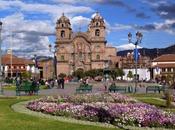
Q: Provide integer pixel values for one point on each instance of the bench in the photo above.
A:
(84, 88)
(155, 88)
(27, 87)
(114, 88)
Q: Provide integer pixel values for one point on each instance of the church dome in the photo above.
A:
(63, 19)
(98, 16)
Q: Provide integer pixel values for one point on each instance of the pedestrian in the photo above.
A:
(173, 85)
(52, 83)
(87, 80)
(59, 82)
(18, 82)
(34, 86)
(47, 84)
(62, 83)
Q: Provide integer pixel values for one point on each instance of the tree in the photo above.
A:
(130, 74)
(79, 73)
(114, 73)
(94, 72)
(168, 93)
(169, 79)
(120, 72)
(62, 75)
(26, 75)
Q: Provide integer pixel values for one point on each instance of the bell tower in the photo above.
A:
(97, 27)
(63, 28)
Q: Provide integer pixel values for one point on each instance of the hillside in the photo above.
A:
(152, 53)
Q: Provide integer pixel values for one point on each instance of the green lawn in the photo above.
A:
(10, 87)
(153, 99)
(146, 95)
(10, 120)
(13, 87)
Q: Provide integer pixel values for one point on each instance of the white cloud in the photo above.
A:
(79, 21)
(166, 26)
(129, 46)
(78, 1)
(66, 1)
(163, 13)
(30, 36)
(121, 27)
(27, 37)
(46, 8)
(93, 15)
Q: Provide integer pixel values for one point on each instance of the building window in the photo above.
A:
(62, 25)
(89, 55)
(72, 55)
(62, 57)
(80, 56)
(97, 32)
(97, 23)
(98, 57)
(62, 33)
(163, 69)
(169, 69)
(98, 46)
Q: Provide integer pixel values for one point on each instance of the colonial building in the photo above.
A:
(164, 65)
(128, 62)
(143, 66)
(13, 65)
(85, 50)
(46, 68)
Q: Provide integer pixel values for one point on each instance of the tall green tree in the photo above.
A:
(26, 75)
(130, 74)
(62, 75)
(120, 72)
(79, 73)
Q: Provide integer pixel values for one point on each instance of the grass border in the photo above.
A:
(21, 108)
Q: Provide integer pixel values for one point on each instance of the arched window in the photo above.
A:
(97, 32)
(62, 57)
(89, 55)
(98, 57)
(62, 25)
(62, 33)
(97, 23)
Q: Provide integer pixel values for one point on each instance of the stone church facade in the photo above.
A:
(85, 50)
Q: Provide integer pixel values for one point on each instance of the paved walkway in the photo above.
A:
(70, 89)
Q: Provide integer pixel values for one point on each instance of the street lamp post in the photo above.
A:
(139, 37)
(54, 61)
(1, 60)
(36, 66)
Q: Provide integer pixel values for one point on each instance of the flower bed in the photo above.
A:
(109, 108)
(174, 96)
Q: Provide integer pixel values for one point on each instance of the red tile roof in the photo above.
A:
(165, 65)
(6, 60)
(165, 58)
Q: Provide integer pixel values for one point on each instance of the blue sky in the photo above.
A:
(29, 25)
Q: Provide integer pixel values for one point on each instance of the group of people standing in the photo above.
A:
(60, 82)
(51, 83)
